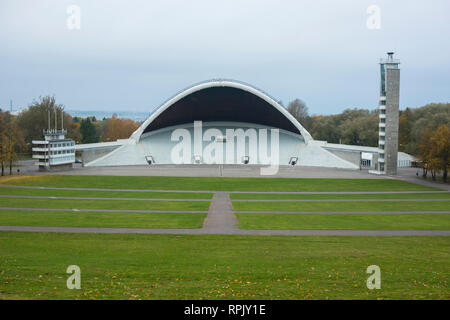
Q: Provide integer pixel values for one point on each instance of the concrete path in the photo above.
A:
(232, 232)
(220, 216)
(409, 175)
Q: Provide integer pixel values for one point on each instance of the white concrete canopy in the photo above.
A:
(136, 136)
(220, 105)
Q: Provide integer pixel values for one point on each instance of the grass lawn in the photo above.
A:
(103, 204)
(33, 265)
(224, 184)
(278, 196)
(103, 194)
(344, 221)
(101, 219)
(342, 206)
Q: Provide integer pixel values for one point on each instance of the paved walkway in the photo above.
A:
(220, 217)
(234, 200)
(233, 232)
(408, 175)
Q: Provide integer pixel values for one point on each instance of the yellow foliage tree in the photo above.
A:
(118, 128)
(435, 150)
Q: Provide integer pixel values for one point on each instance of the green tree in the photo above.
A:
(35, 119)
(325, 128)
(405, 122)
(88, 131)
(428, 117)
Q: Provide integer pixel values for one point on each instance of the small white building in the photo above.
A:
(55, 151)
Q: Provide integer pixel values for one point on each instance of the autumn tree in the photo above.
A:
(117, 128)
(419, 120)
(434, 150)
(11, 141)
(3, 121)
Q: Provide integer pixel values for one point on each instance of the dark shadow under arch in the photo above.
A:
(222, 104)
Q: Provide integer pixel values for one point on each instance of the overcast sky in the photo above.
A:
(132, 55)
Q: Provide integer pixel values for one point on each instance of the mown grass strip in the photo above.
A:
(103, 204)
(344, 221)
(101, 219)
(342, 206)
(278, 196)
(103, 194)
(219, 184)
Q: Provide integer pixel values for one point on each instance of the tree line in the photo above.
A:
(423, 132)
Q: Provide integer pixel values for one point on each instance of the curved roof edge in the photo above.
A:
(136, 135)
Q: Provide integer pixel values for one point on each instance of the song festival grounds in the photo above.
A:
(167, 237)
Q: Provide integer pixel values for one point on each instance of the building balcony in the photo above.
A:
(40, 156)
(39, 142)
